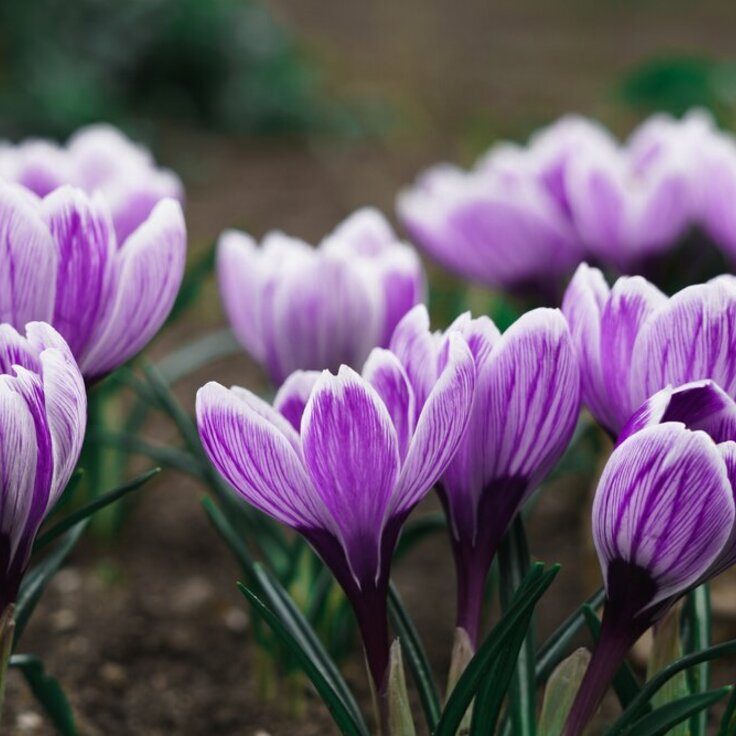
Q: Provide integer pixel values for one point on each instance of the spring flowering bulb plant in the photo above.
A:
(632, 340)
(98, 159)
(526, 215)
(63, 264)
(525, 408)
(663, 520)
(294, 307)
(43, 409)
(366, 452)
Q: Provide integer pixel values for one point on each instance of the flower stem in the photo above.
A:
(7, 631)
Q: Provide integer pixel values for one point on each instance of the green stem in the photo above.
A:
(7, 630)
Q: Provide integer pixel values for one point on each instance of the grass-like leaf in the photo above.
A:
(47, 691)
(416, 658)
(340, 713)
(500, 638)
(699, 620)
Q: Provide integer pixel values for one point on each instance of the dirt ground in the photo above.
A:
(149, 635)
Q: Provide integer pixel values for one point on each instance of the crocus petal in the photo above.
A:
(727, 556)
(351, 452)
(16, 350)
(83, 234)
(530, 396)
(418, 351)
(583, 304)
(256, 458)
(698, 405)
(365, 232)
(665, 504)
(440, 427)
(385, 373)
(29, 257)
(149, 273)
(690, 338)
(631, 302)
(293, 395)
(240, 273)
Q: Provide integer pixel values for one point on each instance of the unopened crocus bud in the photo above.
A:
(294, 307)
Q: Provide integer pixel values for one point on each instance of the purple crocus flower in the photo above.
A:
(363, 457)
(632, 340)
(525, 408)
(296, 307)
(663, 520)
(99, 159)
(62, 264)
(43, 411)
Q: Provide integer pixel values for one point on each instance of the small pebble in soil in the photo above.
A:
(28, 722)
(236, 620)
(193, 594)
(64, 620)
(67, 581)
(261, 732)
(113, 674)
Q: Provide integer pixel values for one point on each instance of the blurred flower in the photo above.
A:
(62, 264)
(632, 340)
(526, 405)
(297, 307)
(525, 216)
(43, 411)
(663, 522)
(98, 159)
(362, 459)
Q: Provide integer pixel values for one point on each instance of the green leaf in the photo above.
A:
(89, 509)
(400, 719)
(340, 713)
(625, 684)
(416, 658)
(37, 577)
(664, 719)
(640, 703)
(513, 565)
(553, 651)
(194, 356)
(501, 637)
(47, 691)
(562, 687)
(667, 648)
(728, 722)
(699, 620)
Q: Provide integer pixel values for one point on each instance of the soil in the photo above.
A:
(147, 632)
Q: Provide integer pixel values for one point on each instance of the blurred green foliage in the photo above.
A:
(677, 84)
(225, 64)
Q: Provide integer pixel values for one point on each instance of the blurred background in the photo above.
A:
(290, 114)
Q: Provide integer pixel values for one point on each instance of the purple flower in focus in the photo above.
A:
(43, 411)
(663, 520)
(362, 458)
(294, 307)
(632, 340)
(100, 160)
(63, 264)
(526, 405)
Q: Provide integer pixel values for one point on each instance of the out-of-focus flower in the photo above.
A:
(663, 522)
(525, 216)
(294, 307)
(525, 408)
(43, 411)
(363, 458)
(632, 340)
(98, 159)
(63, 264)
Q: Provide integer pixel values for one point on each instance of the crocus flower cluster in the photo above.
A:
(525, 216)
(62, 263)
(525, 408)
(43, 410)
(663, 520)
(632, 340)
(98, 159)
(343, 462)
(297, 307)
